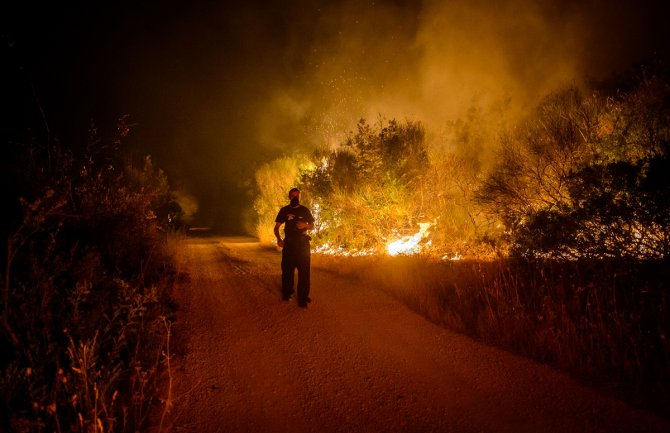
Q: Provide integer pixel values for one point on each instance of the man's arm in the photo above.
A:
(307, 223)
(280, 241)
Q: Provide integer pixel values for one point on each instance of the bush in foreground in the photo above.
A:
(85, 300)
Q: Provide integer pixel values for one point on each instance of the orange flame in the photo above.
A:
(410, 244)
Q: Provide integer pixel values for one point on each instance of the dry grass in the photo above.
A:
(605, 322)
(86, 300)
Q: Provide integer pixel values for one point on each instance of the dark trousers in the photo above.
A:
(295, 255)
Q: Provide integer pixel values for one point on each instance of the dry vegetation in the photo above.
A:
(579, 176)
(564, 234)
(606, 322)
(85, 301)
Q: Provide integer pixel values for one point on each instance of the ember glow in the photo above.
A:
(452, 258)
(335, 250)
(410, 244)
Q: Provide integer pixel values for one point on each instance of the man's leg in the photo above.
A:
(303, 262)
(287, 271)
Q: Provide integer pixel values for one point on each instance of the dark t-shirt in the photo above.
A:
(290, 215)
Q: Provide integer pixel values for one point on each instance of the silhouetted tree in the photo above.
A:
(587, 177)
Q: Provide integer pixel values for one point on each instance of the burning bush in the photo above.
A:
(579, 176)
(384, 186)
(368, 191)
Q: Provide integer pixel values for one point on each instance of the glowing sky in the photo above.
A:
(217, 87)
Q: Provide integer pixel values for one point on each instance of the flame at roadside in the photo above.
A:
(410, 244)
(333, 250)
(407, 245)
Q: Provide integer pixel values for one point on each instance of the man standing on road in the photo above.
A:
(296, 250)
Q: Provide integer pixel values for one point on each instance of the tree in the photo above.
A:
(369, 187)
(588, 177)
(536, 159)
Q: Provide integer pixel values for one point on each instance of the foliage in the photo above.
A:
(371, 186)
(587, 177)
(536, 159)
(616, 210)
(85, 290)
(273, 181)
(582, 175)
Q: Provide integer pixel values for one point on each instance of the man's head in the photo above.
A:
(294, 196)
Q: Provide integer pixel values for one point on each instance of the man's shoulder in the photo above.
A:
(306, 213)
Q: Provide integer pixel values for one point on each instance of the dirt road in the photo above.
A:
(356, 360)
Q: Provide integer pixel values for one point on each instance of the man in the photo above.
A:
(296, 250)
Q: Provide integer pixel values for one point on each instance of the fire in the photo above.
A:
(453, 258)
(330, 249)
(410, 244)
(406, 245)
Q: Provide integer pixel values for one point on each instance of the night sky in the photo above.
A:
(216, 88)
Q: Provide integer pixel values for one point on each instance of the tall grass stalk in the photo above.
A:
(167, 355)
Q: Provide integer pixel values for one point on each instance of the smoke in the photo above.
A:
(487, 53)
(433, 61)
(188, 204)
(218, 89)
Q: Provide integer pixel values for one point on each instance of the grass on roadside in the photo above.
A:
(605, 322)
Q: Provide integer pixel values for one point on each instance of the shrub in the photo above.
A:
(587, 177)
(85, 294)
(273, 181)
(370, 187)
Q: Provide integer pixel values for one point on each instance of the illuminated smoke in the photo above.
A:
(434, 60)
